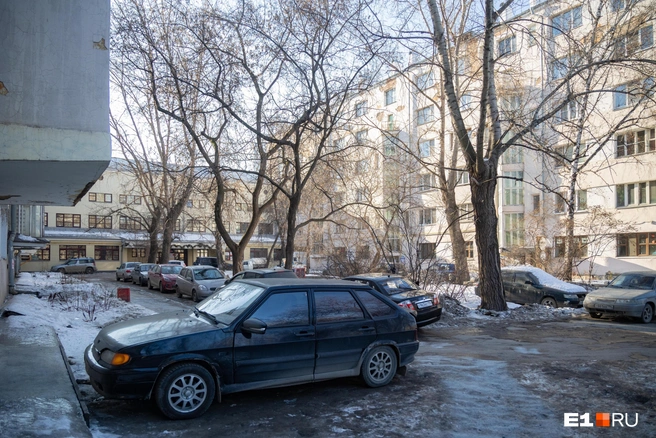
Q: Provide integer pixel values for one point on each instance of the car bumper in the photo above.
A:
(407, 352)
(429, 316)
(575, 304)
(633, 310)
(119, 384)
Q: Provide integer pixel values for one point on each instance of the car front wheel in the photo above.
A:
(549, 302)
(88, 271)
(647, 314)
(185, 391)
(379, 367)
(595, 315)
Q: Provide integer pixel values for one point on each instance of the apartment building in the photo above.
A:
(108, 224)
(597, 152)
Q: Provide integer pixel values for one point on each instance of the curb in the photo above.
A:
(71, 376)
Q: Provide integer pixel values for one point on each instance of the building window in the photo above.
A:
(632, 42)
(636, 142)
(513, 155)
(45, 219)
(560, 202)
(426, 148)
(190, 203)
(427, 216)
(68, 220)
(469, 249)
(102, 252)
(390, 96)
(195, 226)
(360, 109)
(361, 137)
(617, 5)
(465, 101)
(425, 115)
(636, 193)
(362, 252)
(426, 251)
(466, 212)
(100, 197)
(513, 224)
(202, 203)
(426, 182)
(463, 177)
(513, 188)
(581, 200)
(579, 246)
(128, 223)
(559, 68)
(566, 21)
(536, 203)
(242, 227)
(425, 80)
(100, 221)
(129, 199)
(569, 111)
(138, 253)
(507, 46)
(259, 253)
(391, 123)
(631, 93)
(637, 244)
(389, 146)
(265, 229)
(42, 254)
(72, 251)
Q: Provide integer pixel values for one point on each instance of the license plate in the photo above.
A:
(604, 306)
(422, 304)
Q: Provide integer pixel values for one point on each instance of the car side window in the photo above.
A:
(507, 276)
(376, 307)
(522, 278)
(284, 310)
(336, 306)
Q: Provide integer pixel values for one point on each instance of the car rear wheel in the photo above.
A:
(647, 314)
(194, 296)
(549, 302)
(595, 315)
(177, 292)
(379, 367)
(88, 271)
(61, 270)
(185, 391)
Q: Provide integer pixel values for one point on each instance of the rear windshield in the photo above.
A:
(171, 269)
(281, 274)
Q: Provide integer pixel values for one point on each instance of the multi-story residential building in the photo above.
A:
(108, 224)
(54, 115)
(596, 154)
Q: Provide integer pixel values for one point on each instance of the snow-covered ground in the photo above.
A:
(78, 310)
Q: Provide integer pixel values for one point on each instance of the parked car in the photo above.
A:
(253, 334)
(163, 277)
(207, 261)
(198, 282)
(424, 306)
(77, 265)
(176, 262)
(528, 284)
(124, 272)
(140, 273)
(262, 273)
(630, 294)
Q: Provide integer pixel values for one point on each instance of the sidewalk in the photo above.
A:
(38, 394)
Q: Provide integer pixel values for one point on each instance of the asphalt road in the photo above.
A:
(487, 378)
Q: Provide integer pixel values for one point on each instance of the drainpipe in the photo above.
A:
(13, 222)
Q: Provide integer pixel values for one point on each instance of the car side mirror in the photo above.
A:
(254, 325)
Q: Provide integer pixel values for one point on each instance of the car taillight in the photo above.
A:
(436, 300)
(407, 304)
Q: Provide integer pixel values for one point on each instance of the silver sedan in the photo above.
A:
(198, 282)
(629, 294)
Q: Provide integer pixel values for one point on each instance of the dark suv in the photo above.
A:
(207, 261)
(79, 265)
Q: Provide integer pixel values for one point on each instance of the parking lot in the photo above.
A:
(473, 376)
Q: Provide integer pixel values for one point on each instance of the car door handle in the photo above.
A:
(367, 329)
(304, 333)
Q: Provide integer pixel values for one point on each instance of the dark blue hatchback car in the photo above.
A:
(253, 334)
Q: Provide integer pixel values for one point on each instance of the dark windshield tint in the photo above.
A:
(284, 310)
(634, 281)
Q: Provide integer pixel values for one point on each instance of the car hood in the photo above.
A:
(614, 292)
(211, 283)
(150, 328)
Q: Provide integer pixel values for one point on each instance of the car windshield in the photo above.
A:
(633, 281)
(207, 274)
(393, 285)
(231, 301)
(171, 269)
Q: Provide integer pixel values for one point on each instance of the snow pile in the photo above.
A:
(77, 310)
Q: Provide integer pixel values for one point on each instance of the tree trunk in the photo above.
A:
(457, 241)
(490, 285)
(294, 202)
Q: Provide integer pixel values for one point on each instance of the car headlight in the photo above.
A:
(110, 357)
(571, 296)
(202, 287)
(626, 301)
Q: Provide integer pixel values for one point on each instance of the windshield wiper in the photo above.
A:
(209, 316)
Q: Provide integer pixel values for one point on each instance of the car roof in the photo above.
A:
(301, 282)
(373, 276)
(266, 270)
(202, 267)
